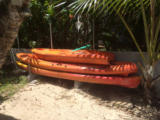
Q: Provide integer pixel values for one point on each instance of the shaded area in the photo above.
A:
(2, 98)
(68, 84)
(10, 83)
(128, 100)
(6, 117)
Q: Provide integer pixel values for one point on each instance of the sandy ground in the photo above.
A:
(46, 101)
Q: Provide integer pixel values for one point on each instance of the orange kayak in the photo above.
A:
(80, 56)
(129, 82)
(117, 68)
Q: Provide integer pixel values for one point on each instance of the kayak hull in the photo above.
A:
(80, 56)
(129, 82)
(117, 68)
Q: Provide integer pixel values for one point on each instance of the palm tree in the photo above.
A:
(12, 14)
(151, 29)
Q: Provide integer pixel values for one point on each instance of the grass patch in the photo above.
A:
(9, 86)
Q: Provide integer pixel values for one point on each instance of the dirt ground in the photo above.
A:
(61, 101)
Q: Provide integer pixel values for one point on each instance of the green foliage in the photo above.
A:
(10, 85)
(102, 11)
(35, 30)
(123, 8)
(107, 6)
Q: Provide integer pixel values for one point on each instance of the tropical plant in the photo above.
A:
(36, 28)
(148, 9)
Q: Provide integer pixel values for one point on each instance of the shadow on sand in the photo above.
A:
(104, 92)
(126, 99)
(130, 100)
(6, 117)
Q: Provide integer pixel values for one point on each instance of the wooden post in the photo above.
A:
(51, 37)
(93, 27)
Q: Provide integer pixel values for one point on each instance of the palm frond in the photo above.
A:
(157, 31)
(133, 37)
(145, 26)
(109, 6)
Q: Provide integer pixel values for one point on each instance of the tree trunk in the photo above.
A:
(12, 14)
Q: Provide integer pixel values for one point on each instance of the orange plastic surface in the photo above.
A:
(129, 82)
(118, 68)
(80, 56)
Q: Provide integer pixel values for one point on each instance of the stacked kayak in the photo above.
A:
(83, 65)
(80, 56)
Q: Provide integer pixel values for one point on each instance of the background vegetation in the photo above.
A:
(34, 31)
